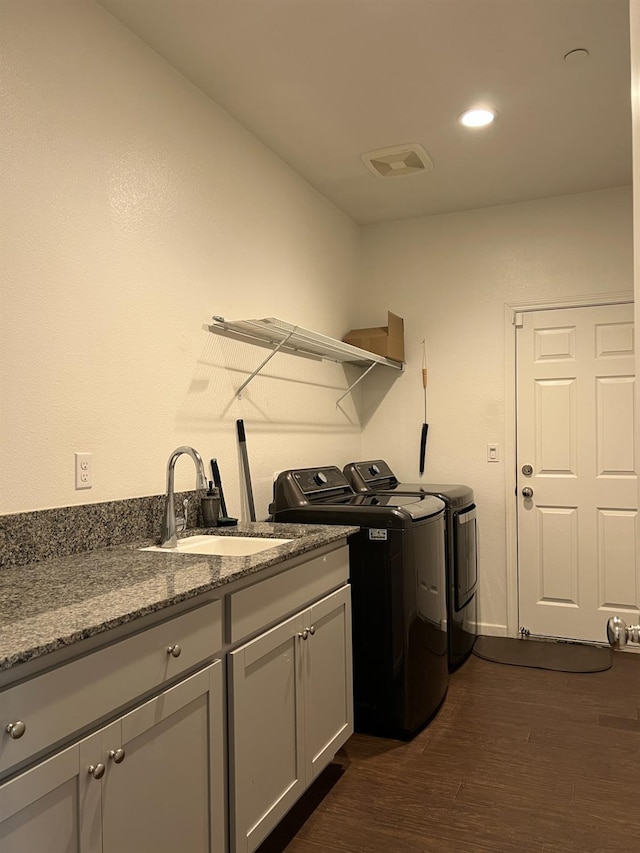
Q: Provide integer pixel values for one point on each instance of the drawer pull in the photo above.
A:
(117, 755)
(174, 651)
(304, 634)
(16, 730)
(312, 629)
(96, 770)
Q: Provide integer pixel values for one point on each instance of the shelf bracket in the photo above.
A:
(266, 361)
(277, 335)
(359, 379)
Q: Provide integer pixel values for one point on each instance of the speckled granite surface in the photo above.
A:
(54, 603)
(28, 537)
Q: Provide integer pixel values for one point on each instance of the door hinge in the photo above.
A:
(518, 319)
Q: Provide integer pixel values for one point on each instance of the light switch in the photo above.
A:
(492, 453)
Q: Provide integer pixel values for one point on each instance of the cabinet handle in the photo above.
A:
(16, 730)
(117, 755)
(96, 770)
(174, 651)
(312, 630)
(304, 634)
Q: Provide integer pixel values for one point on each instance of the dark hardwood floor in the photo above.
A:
(517, 759)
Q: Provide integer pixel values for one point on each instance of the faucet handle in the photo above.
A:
(183, 522)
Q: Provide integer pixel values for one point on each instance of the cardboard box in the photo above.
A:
(387, 341)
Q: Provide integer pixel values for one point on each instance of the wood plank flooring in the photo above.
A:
(518, 759)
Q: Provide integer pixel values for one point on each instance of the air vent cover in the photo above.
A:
(398, 160)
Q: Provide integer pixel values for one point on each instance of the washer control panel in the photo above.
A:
(312, 480)
(371, 475)
(305, 486)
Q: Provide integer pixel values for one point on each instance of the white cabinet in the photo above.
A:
(55, 806)
(327, 679)
(170, 784)
(132, 748)
(151, 781)
(55, 705)
(163, 789)
(291, 709)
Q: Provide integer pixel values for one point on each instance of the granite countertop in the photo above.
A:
(55, 603)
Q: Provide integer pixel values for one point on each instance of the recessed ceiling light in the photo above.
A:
(477, 118)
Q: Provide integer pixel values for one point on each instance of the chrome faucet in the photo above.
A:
(168, 531)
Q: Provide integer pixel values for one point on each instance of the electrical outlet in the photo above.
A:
(84, 474)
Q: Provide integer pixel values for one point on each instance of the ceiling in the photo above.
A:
(320, 82)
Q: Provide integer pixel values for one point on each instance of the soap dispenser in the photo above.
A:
(210, 507)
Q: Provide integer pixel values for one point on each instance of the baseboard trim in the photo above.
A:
(489, 629)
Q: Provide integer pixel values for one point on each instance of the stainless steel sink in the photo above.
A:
(221, 546)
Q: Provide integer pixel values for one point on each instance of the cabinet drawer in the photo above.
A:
(256, 607)
(65, 700)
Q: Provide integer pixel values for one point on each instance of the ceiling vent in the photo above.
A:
(398, 160)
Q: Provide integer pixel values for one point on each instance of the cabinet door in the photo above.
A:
(55, 806)
(328, 687)
(165, 791)
(266, 753)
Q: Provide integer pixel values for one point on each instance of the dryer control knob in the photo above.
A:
(321, 478)
(373, 469)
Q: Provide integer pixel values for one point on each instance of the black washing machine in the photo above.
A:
(375, 476)
(398, 593)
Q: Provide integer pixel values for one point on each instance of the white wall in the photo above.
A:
(450, 278)
(132, 210)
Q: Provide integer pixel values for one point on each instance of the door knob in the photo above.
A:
(527, 492)
(619, 634)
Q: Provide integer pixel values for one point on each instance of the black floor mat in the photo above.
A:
(544, 654)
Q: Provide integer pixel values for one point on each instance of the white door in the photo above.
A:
(577, 507)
